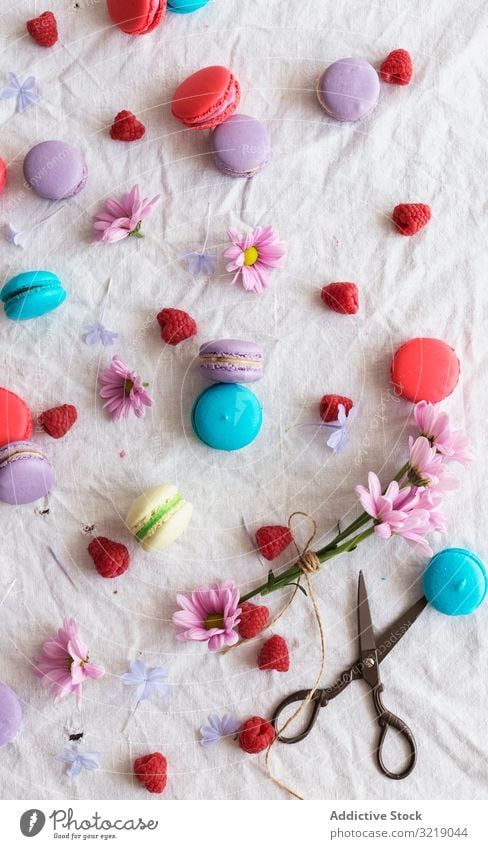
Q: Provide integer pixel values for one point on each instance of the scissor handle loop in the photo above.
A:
(388, 720)
(317, 701)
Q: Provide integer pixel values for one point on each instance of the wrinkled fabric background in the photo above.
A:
(329, 190)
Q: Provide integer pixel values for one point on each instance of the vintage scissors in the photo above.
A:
(371, 652)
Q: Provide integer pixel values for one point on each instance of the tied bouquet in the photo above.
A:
(410, 506)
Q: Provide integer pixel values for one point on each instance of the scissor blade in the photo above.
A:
(392, 635)
(367, 642)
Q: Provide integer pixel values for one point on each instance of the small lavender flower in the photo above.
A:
(146, 679)
(218, 727)
(339, 438)
(98, 333)
(200, 263)
(25, 92)
(78, 760)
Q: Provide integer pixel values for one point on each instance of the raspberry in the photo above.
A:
(254, 618)
(151, 772)
(341, 297)
(329, 407)
(397, 68)
(274, 655)
(58, 420)
(126, 127)
(273, 539)
(176, 325)
(111, 558)
(43, 29)
(409, 218)
(256, 735)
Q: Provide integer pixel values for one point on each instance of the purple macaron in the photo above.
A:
(349, 89)
(55, 170)
(241, 146)
(25, 473)
(231, 361)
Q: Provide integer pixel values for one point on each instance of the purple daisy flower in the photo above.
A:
(210, 615)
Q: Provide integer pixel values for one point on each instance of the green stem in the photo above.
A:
(295, 571)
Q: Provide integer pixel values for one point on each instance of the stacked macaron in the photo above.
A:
(25, 472)
(207, 100)
(32, 294)
(228, 416)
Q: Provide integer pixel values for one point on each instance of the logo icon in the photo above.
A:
(32, 822)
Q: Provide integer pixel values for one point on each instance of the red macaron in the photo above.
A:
(425, 369)
(15, 418)
(206, 98)
(136, 17)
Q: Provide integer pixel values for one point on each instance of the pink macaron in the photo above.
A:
(206, 98)
(136, 17)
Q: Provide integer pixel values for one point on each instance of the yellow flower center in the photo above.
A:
(128, 384)
(214, 620)
(251, 256)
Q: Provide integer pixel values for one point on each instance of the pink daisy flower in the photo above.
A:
(123, 390)
(425, 467)
(435, 426)
(252, 255)
(389, 509)
(63, 663)
(210, 614)
(120, 219)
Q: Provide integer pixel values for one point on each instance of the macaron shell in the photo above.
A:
(39, 292)
(55, 170)
(147, 502)
(229, 365)
(349, 89)
(136, 17)
(170, 530)
(10, 714)
(183, 7)
(241, 146)
(198, 100)
(455, 582)
(15, 418)
(25, 479)
(226, 416)
(425, 369)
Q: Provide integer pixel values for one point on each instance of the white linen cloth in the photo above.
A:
(329, 190)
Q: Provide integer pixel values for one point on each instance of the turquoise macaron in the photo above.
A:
(455, 582)
(182, 7)
(226, 416)
(31, 294)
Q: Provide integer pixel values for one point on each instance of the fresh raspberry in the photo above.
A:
(254, 617)
(176, 325)
(409, 218)
(256, 735)
(3, 175)
(274, 655)
(397, 68)
(43, 29)
(329, 407)
(341, 297)
(126, 127)
(58, 420)
(151, 772)
(111, 558)
(273, 539)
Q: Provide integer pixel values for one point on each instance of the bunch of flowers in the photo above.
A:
(410, 506)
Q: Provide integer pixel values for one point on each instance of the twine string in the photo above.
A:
(309, 564)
